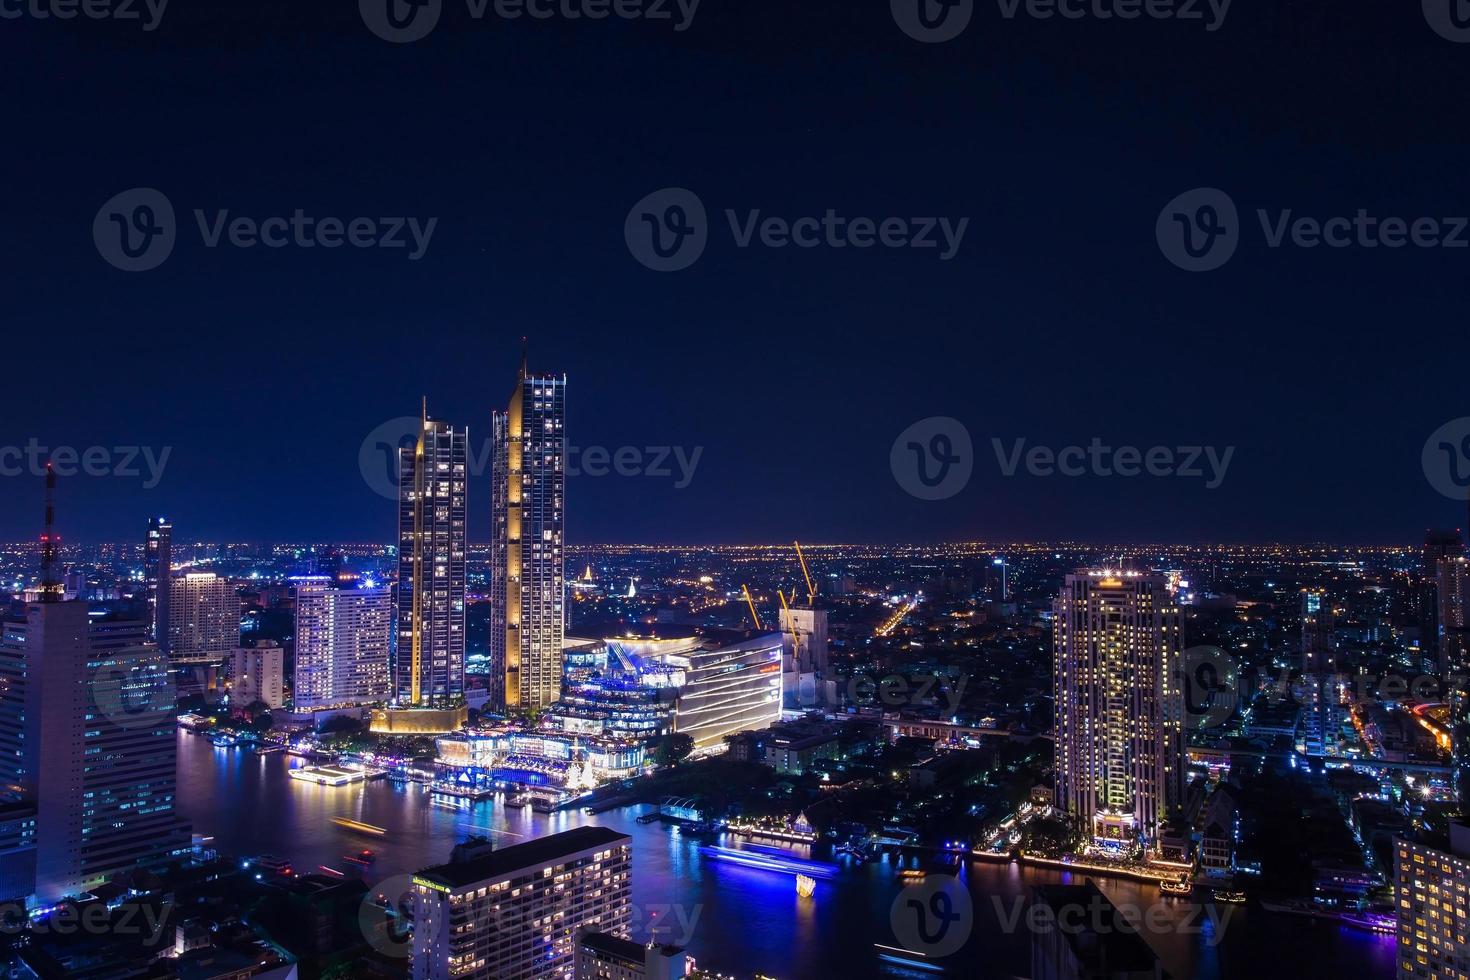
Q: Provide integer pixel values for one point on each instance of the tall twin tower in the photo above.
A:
(527, 551)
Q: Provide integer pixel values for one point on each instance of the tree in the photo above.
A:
(672, 749)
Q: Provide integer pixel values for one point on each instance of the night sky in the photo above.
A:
(1058, 320)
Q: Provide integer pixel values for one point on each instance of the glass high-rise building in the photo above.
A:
(157, 563)
(1119, 706)
(432, 547)
(1321, 711)
(90, 740)
(528, 544)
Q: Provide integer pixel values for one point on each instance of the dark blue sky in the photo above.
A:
(1058, 321)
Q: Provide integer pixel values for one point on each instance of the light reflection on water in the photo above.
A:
(744, 920)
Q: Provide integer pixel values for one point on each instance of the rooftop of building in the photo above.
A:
(624, 949)
(1109, 946)
(535, 853)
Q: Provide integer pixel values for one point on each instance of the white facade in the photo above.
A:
(343, 637)
(260, 675)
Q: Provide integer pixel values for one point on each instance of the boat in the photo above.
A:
(805, 885)
(1230, 897)
(913, 874)
(359, 826)
(543, 805)
(1181, 888)
(649, 817)
(1295, 906)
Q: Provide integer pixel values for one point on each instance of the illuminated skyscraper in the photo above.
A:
(432, 545)
(204, 623)
(343, 637)
(1119, 707)
(87, 725)
(157, 562)
(1321, 714)
(1431, 898)
(528, 556)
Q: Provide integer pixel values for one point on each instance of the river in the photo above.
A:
(732, 918)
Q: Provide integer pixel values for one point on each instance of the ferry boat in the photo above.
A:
(359, 826)
(913, 874)
(1230, 897)
(1179, 888)
(805, 885)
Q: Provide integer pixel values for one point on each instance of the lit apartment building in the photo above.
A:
(1119, 707)
(516, 913)
(528, 545)
(603, 956)
(88, 733)
(343, 639)
(259, 675)
(432, 546)
(204, 619)
(1430, 895)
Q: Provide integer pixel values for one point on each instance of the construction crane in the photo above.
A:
(811, 589)
(745, 591)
